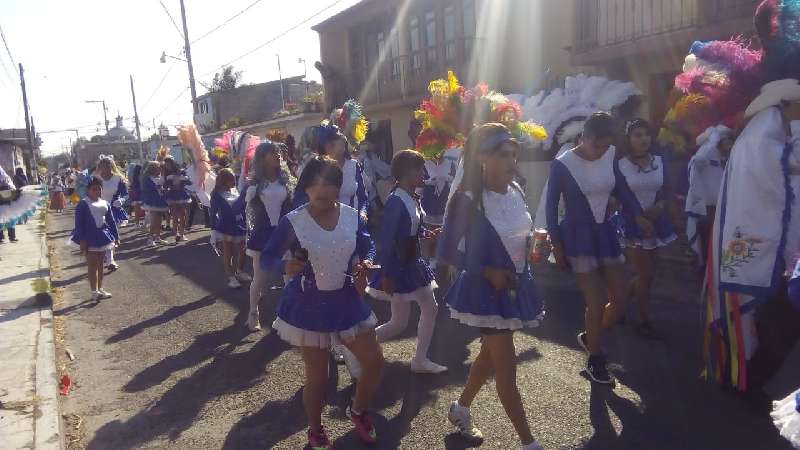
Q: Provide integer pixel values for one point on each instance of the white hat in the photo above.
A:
(772, 94)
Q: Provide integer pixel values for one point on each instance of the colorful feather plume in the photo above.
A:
(190, 140)
(350, 119)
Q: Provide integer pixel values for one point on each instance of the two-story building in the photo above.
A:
(384, 53)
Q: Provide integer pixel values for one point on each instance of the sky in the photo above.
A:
(79, 50)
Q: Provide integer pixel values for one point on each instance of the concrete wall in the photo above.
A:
(10, 157)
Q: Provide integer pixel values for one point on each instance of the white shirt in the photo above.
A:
(413, 208)
(349, 184)
(644, 184)
(273, 195)
(510, 218)
(110, 187)
(98, 209)
(595, 179)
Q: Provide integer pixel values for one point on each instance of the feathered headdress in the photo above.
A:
(777, 23)
(190, 140)
(350, 119)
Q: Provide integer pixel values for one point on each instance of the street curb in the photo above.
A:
(47, 422)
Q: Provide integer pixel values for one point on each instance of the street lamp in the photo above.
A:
(164, 57)
(105, 116)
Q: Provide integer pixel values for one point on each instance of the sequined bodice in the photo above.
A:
(329, 252)
(413, 208)
(510, 218)
(595, 179)
(99, 209)
(349, 183)
(110, 187)
(645, 184)
(272, 196)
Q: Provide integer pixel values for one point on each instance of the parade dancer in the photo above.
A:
(115, 191)
(177, 195)
(95, 232)
(57, 199)
(405, 277)
(228, 225)
(323, 303)
(487, 237)
(586, 241)
(646, 175)
(268, 199)
(153, 202)
(439, 175)
(135, 194)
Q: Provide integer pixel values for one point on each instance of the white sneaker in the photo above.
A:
(95, 296)
(113, 266)
(161, 241)
(462, 419)
(351, 362)
(252, 321)
(103, 294)
(426, 366)
(233, 283)
(533, 446)
(244, 276)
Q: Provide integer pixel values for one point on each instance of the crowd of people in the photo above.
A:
(619, 190)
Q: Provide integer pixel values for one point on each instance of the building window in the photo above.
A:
(430, 39)
(468, 17)
(449, 33)
(415, 44)
(394, 55)
(203, 108)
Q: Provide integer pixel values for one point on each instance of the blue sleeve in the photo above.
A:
(388, 235)
(282, 240)
(365, 248)
(122, 191)
(240, 204)
(112, 225)
(361, 191)
(454, 230)
(624, 194)
(79, 232)
(555, 187)
(214, 210)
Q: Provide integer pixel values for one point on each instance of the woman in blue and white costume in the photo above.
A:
(439, 176)
(115, 191)
(332, 143)
(405, 277)
(647, 177)
(586, 241)
(153, 202)
(95, 232)
(322, 303)
(268, 199)
(487, 238)
(226, 212)
(786, 416)
(177, 195)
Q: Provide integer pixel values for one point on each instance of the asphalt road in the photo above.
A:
(167, 363)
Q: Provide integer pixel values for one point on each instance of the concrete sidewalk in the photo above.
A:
(29, 412)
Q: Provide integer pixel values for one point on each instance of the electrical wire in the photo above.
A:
(170, 104)
(160, 83)
(177, 28)
(227, 21)
(284, 33)
(8, 50)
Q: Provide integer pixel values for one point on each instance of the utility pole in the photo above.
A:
(280, 77)
(136, 118)
(33, 171)
(188, 50)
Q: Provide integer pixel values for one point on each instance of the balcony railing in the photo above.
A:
(602, 23)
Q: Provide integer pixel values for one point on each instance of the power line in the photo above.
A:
(227, 21)
(160, 83)
(170, 104)
(177, 28)
(8, 50)
(310, 18)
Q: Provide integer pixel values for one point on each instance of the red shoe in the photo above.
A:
(319, 441)
(363, 426)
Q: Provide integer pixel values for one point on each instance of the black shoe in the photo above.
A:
(597, 370)
(14, 240)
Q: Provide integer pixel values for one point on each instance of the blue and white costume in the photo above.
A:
(135, 177)
(588, 237)
(94, 223)
(152, 196)
(176, 190)
(438, 180)
(353, 192)
(650, 186)
(321, 305)
(786, 416)
(227, 216)
(398, 248)
(265, 207)
(115, 191)
(494, 231)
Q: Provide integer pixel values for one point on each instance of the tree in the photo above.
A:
(225, 80)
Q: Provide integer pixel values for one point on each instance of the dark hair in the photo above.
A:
(637, 123)
(599, 125)
(225, 175)
(320, 167)
(94, 181)
(170, 166)
(405, 161)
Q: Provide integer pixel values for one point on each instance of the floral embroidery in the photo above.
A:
(738, 252)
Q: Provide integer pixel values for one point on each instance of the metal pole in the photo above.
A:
(27, 121)
(280, 77)
(105, 116)
(136, 118)
(189, 61)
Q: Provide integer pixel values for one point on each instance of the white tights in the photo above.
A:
(259, 283)
(109, 257)
(401, 310)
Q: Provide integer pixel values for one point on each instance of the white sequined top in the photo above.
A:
(509, 216)
(594, 178)
(644, 184)
(110, 187)
(413, 208)
(273, 195)
(99, 209)
(349, 184)
(329, 252)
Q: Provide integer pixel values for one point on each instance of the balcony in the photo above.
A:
(608, 29)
